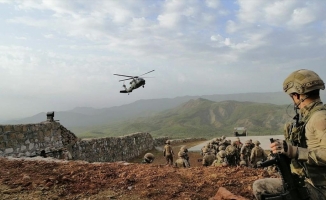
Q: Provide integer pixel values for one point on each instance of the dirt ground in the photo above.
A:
(45, 178)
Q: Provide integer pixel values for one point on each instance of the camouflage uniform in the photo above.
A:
(182, 157)
(203, 150)
(208, 159)
(66, 155)
(257, 154)
(168, 153)
(220, 159)
(232, 154)
(298, 85)
(245, 152)
(148, 158)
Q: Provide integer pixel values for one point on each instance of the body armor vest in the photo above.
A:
(296, 135)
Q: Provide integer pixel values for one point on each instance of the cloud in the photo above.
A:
(67, 51)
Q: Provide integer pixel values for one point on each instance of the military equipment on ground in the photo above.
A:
(293, 185)
(136, 82)
(240, 131)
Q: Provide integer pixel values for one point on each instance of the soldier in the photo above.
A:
(257, 154)
(66, 155)
(303, 87)
(220, 159)
(168, 153)
(232, 154)
(183, 156)
(208, 159)
(148, 158)
(203, 150)
(252, 145)
(238, 144)
(245, 152)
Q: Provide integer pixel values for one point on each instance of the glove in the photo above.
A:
(281, 147)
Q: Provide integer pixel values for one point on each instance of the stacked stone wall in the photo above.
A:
(112, 149)
(31, 139)
(161, 140)
(51, 139)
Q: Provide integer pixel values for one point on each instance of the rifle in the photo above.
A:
(293, 185)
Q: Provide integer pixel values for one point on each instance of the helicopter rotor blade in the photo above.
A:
(126, 79)
(147, 72)
(122, 75)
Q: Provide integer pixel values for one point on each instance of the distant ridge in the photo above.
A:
(203, 118)
(87, 116)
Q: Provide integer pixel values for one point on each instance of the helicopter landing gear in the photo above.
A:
(143, 86)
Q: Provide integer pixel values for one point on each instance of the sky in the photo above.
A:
(56, 55)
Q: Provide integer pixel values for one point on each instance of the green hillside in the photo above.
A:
(202, 118)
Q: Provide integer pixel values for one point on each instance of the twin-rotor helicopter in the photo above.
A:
(136, 82)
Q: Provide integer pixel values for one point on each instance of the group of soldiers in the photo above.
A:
(218, 152)
(223, 152)
(182, 161)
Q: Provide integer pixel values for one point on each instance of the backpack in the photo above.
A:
(231, 150)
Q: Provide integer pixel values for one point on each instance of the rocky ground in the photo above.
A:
(45, 178)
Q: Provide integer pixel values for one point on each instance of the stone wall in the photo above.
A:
(52, 139)
(33, 139)
(161, 140)
(112, 149)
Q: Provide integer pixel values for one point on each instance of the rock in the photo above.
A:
(224, 194)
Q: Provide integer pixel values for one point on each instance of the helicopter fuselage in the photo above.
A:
(134, 84)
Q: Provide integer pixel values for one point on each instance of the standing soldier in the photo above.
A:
(307, 146)
(168, 153)
(257, 154)
(245, 152)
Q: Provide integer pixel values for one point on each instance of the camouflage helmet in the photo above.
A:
(248, 142)
(256, 142)
(221, 154)
(221, 148)
(223, 137)
(184, 149)
(167, 142)
(205, 150)
(243, 163)
(302, 81)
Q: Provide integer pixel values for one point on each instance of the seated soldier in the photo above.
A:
(148, 158)
(183, 155)
(220, 159)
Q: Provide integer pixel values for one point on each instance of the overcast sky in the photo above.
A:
(59, 54)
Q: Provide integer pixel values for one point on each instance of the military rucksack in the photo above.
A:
(231, 150)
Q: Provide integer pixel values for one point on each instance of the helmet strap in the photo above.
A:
(296, 106)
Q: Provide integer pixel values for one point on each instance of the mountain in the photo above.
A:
(79, 118)
(203, 118)
(86, 116)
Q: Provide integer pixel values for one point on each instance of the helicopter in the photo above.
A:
(135, 83)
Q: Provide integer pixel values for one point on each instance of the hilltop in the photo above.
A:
(45, 178)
